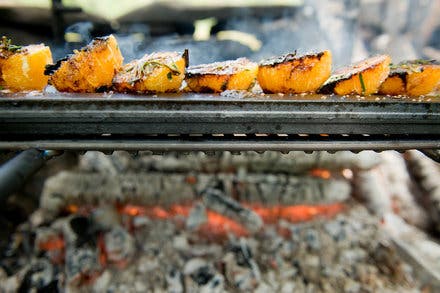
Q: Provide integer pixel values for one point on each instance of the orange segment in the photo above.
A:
(362, 78)
(423, 82)
(415, 78)
(216, 77)
(293, 73)
(154, 73)
(393, 85)
(24, 70)
(90, 68)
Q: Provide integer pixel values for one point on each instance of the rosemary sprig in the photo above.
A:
(5, 44)
(361, 79)
(173, 68)
(145, 68)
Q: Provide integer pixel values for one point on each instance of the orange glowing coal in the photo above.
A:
(218, 225)
(296, 213)
(52, 243)
(155, 212)
(321, 173)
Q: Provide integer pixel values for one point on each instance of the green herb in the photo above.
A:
(412, 65)
(1, 88)
(140, 69)
(361, 79)
(14, 48)
(422, 62)
(5, 44)
(174, 71)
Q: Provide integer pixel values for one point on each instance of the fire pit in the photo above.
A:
(212, 224)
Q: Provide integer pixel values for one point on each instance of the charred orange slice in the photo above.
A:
(294, 73)
(22, 68)
(154, 73)
(88, 69)
(412, 78)
(362, 78)
(239, 74)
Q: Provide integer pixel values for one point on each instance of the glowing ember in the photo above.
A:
(102, 252)
(52, 243)
(218, 225)
(321, 173)
(155, 212)
(72, 209)
(296, 213)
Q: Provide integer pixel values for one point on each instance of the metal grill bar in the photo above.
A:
(213, 122)
(166, 145)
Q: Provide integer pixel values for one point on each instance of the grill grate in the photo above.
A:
(204, 122)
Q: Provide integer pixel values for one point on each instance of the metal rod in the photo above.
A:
(179, 144)
(15, 172)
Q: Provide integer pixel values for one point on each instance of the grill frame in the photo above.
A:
(120, 121)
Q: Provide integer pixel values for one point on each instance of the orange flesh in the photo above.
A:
(420, 82)
(239, 74)
(87, 70)
(24, 70)
(302, 74)
(373, 70)
(393, 85)
(159, 79)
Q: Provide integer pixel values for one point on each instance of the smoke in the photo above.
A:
(351, 29)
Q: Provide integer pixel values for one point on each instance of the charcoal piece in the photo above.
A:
(197, 273)
(427, 175)
(295, 162)
(160, 189)
(39, 277)
(119, 245)
(312, 239)
(242, 253)
(217, 201)
(335, 230)
(371, 187)
(239, 277)
(402, 189)
(81, 263)
(416, 248)
(202, 276)
(197, 216)
(105, 217)
(174, 281)
(311, 268)
(82, 227)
